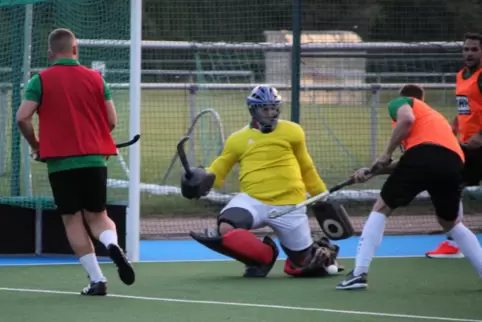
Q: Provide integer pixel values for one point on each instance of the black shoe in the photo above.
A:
(124, 267)
(263, 270)
(352, 282)
(95, 289)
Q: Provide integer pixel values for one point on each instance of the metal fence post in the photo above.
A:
(375, 101)
(27, 48)
(192, 116)
(3, 129)
(296, 61)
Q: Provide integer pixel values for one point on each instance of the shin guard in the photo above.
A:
(240, 245)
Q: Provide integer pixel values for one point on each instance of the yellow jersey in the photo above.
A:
(275, 167)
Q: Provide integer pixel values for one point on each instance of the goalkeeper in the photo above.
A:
(276, 171)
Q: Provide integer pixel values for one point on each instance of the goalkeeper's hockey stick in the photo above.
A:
(182, 156)
(314, 199)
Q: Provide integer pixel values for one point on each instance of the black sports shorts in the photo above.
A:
(473, 167)
(430, 168)
(79, 189)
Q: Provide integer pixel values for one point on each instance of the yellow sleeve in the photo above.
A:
(221, 166)
(313, 182)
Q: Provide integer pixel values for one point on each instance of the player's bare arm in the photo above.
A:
(363, 174)
(405, 119)
(455, 126)
(111, 114)
(110, 106)
(24, 120)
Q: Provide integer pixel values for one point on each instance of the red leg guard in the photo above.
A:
(240, 245)
(245, 245)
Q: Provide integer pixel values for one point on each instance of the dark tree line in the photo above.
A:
(374, 20)
(229, 21)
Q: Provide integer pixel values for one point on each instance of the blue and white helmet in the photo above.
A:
(264, 106)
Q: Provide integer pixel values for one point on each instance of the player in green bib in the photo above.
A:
(76, 116)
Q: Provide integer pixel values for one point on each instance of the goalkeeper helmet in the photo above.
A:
(264, 106)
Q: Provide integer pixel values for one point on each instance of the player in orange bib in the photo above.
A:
(468, 125)
(432, 161)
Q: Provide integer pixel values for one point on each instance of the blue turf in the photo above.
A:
(188, 250)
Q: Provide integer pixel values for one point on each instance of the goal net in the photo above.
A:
(199, 62)
(24, 27)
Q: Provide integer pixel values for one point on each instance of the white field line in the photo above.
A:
(250, 305)
(104, 261)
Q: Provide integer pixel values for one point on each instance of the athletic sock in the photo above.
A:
(460, 216)
(90, 264)
(469, 245)
(370, 239)
(108, 237)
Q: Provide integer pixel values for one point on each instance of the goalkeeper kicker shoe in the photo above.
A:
(352, 282)
(124, 267)
(95, 289)
(263, 270)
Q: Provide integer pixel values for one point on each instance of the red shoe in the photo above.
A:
(445, 250)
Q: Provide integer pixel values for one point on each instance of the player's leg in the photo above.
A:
(306, 258)
(400, 188)
(447, 248)
(445, 192)
(472, 174)
(94, 199)
(232, 236)
(66, 194)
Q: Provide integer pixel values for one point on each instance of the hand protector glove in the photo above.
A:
(198, 185)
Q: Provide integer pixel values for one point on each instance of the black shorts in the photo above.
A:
(473, 167)
(80, 189)
(430, 168)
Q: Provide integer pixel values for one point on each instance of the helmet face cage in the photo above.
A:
(264, 107)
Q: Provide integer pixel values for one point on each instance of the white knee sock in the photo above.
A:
(370, 239)
(108, 237)
(461, 211)
(469, 245)
(460, 216)
(90, 264)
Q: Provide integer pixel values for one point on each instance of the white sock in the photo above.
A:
(460, 216)
(370, 239)
(108, 237)
(90, 264)
(461, 211)
(469, 245)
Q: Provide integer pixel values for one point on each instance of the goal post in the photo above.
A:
(133, 210)
(24, 29)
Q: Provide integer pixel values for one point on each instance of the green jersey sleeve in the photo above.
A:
(107, 93)
(396, 103)
(33, 92)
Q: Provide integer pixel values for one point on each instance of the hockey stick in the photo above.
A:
(314, 199)
(35, 156)
(128, 143)
(182, 156)
(322, 195)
